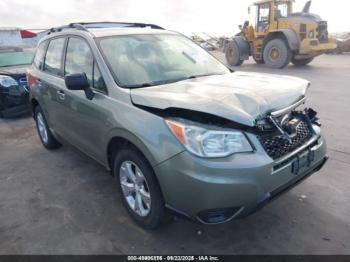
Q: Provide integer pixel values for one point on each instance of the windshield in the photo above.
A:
(12, 57)
(150, 59)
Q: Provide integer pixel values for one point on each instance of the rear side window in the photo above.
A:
(39, 55)
(53, 57)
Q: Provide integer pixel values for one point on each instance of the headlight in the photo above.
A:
(7, 81)
(209, 143)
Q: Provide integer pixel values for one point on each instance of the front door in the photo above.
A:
(87, 119)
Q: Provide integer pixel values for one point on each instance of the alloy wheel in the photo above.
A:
(135, 188)
(42, 128)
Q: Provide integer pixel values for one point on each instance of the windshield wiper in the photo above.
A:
(156, 83)
(164, 82)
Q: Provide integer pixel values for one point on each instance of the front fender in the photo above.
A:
(243, 46)
(125, 134)
(291, 37)
(155, 141)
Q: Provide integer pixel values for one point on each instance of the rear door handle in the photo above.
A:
(61, 95)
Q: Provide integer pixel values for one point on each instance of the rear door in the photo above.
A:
(52, 85)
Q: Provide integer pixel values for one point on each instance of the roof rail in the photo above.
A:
(107, 24)
(86, 25)
(70, 26)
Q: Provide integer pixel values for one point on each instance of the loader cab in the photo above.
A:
(282, 9)
(267, 12)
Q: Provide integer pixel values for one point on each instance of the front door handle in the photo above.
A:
(61, 95)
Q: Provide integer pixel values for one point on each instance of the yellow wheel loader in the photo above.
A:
(279, 36)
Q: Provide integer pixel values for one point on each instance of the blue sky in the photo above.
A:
(219, 17)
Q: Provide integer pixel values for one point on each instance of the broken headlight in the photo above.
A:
(209, 143)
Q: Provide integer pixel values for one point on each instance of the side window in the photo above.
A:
(98, 82)
(79, 58)
(39, 55)
(54, 56)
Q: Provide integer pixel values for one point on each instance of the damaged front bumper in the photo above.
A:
(214, 191)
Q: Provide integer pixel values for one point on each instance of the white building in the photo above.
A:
(16, 36)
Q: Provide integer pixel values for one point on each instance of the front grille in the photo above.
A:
(322, 32)
(278, 146)
(302, 32)
(23, 80)
(23, 83)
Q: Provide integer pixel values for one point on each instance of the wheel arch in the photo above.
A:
(243, 47)
(288, 35)
(33, 104)
(118, 142)
(121, 138)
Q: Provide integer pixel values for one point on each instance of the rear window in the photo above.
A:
(40, 55)
(53, 59)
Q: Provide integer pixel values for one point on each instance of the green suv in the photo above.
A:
(178, 129)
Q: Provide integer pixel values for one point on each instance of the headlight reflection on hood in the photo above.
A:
(209, 143)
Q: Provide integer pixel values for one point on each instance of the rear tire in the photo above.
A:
(277, 53)
(45, 135)
(302, 62)
(144, 189)
(232, 54)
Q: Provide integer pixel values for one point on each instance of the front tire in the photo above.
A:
(45, 135)
(277, 54)
(139, 188)
(301, 62)
(233, 55)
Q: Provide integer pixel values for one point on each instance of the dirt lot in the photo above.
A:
(63, 202)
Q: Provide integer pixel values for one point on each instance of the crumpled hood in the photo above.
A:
(241, 97)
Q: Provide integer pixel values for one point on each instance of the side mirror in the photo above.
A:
(79, 82)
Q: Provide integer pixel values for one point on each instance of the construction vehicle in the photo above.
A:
(279, 36)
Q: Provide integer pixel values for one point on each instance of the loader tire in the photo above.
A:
(232, 54)
(301, 62)
(277, 53)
